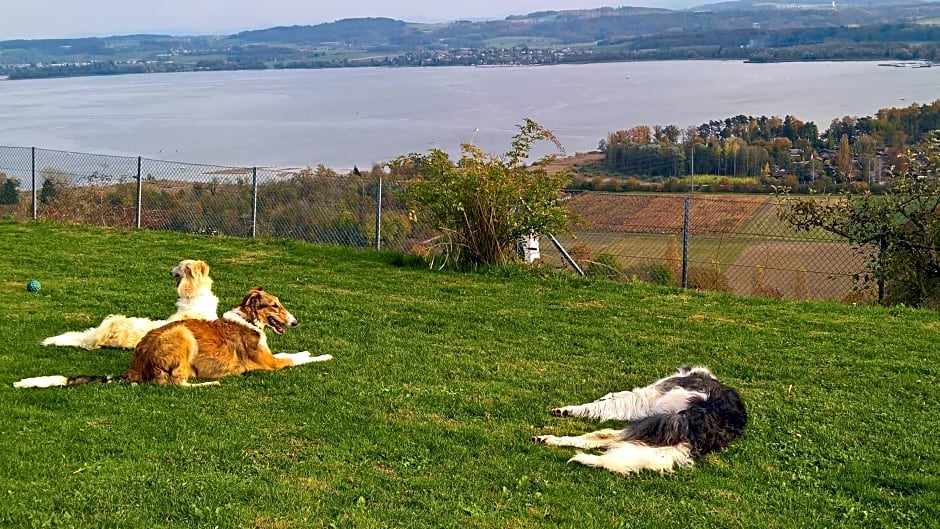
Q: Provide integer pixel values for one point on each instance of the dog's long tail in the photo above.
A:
(51, 381)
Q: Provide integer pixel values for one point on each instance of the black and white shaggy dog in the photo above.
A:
(673, 421)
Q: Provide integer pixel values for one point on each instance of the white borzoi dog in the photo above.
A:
(673, 421)
(196, 301)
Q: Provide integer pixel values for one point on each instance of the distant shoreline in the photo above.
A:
(356, 65)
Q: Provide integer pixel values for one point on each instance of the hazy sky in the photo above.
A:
(74, 18)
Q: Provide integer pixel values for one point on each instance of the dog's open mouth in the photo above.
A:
(276, 325)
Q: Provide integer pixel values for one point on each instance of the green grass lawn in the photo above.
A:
(439, 379)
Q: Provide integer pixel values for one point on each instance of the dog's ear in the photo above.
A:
(252, 301)
(186, 286)
(200, 269)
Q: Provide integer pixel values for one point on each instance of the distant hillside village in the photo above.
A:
(756, 32)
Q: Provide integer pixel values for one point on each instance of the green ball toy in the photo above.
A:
(33, 286)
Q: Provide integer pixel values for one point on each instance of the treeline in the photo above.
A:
(852, 151)
(95, 68)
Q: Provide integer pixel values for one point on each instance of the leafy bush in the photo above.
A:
(481, 205)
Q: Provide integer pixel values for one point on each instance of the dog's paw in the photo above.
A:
(320, 358)
(589, 460)
(304, 357)
(561, 412)
(188, 384)
(540, 439)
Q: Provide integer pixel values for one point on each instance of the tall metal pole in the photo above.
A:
(378, 216)
(140, 193)
(254, 202)
(33, 171)
(685, 242)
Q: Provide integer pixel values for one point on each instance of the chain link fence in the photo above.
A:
(729, 243)
(317, 205)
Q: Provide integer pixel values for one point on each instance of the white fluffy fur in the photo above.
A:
(303, 357)
(623, 457)
(627, 458)
(196, 301)
(42, 382)
(635, 404)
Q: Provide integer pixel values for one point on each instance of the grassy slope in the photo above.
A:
(439, 379)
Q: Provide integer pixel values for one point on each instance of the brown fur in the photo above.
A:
(187, 349)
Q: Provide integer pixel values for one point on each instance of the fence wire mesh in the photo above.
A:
(312, 204)
(730, 243)
(735, 244)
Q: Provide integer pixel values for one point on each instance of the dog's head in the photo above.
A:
(264, 309)
(191, 276)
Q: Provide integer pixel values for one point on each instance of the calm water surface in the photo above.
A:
(347, 117)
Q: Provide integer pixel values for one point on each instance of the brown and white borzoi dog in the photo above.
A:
(196, 301)
(673, 421)
(202, 349)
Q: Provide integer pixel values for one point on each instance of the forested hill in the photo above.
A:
(764, 31)
(350, 31)
(596, 26)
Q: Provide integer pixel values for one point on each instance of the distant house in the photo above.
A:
(826, 154)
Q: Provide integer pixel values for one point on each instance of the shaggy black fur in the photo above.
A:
(91, 379)
(706, 425)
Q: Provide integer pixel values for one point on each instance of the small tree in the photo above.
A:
(51, 187)
(9, 192)
(899, 230)
(844, 160)
(483, 205)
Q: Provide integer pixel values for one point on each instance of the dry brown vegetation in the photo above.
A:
(573, 161)
(663, 213)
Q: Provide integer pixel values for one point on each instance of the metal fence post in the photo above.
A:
(378, 215)
(140, 194)
(254, 202)
(564, 253)
(882, 247)
(33, 171)
(685, 241)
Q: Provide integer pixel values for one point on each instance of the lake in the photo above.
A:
(360, 116)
